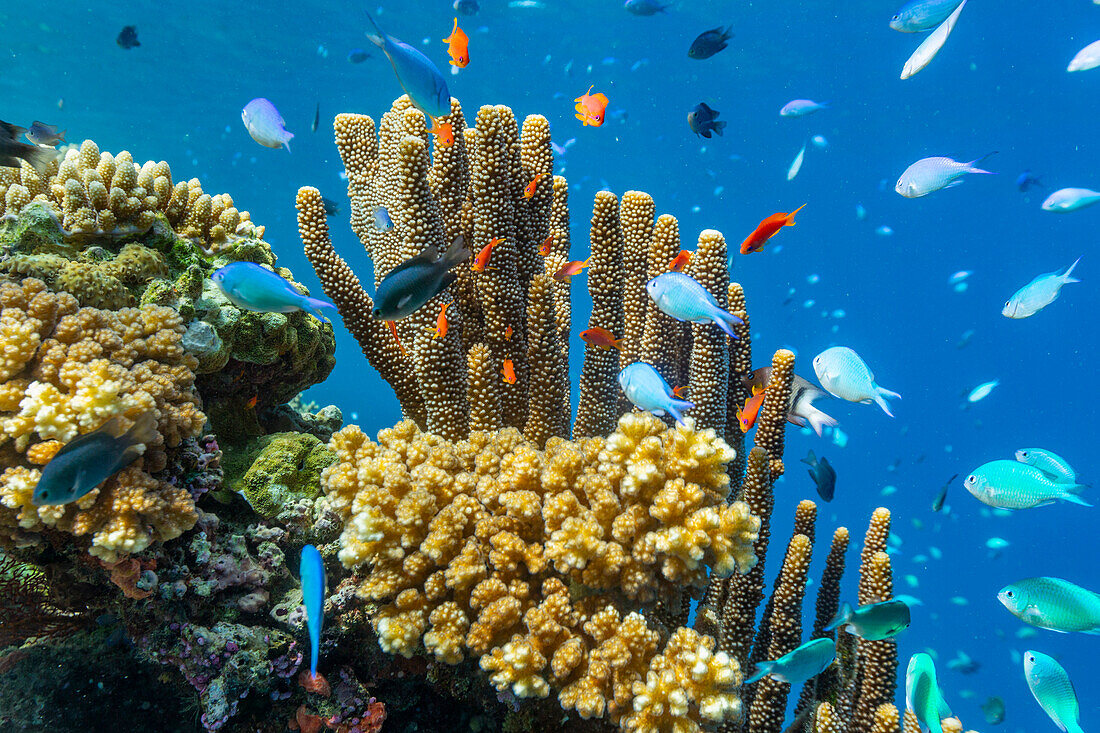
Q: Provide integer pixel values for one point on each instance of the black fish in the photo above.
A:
(43, 134)
(11, 150)
(703, 120)
(823, 475)
(709, 43)
(316, 118)
(331, 207)
(941, 495)
(127, 37)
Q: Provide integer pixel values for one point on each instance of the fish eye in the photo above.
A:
(1010, 594)
(896, 17)
(971, 479)
(1024, 454)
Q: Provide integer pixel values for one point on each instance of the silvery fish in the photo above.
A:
(982, 391)
(823, 474)
(1049, 463)
(1051, 686)
(311, 571)
(416, 281)
(88, 460)
(845, 375)
(922, 15)
(1014, 485)
(1087, 58)
(43, 134)
(381, 219)
(802, 107)
(800, 664)
(931, 45)
(265, 124)
(255, 288)
(1065, 200)
(647, 390)
(416, 74)
(929, 175)
(1038, 294)
(682, 297)
(873, 621)
(801, 410)
(1053, 604)
(922, 693)
(796, 164)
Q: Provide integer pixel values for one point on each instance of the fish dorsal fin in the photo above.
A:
(112, 428)
(427, 257)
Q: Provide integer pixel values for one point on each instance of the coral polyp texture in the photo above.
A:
(471, 548)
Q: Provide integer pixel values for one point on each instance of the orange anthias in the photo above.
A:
(393, 330)
(569, 269)
(680, 261)
(747, 415)
(444, 134)
(546, 246)
(766, 229)
(600, 337)
(529, 191)
(508, 333)
(590, 108)
(508, 371)
(482, 260)
(441, 323)
(680, 392)
(458, 47)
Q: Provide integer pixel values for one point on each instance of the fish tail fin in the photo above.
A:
(378, 38)
(1066, 275)
(458, 252)
(286, 143)
(881, 394)
(818, 419)
(40, 158)
(762, 668)
(319, 308)
(842, 617)
(144, 429)
(790, 217)
(718, 127)
(972, 165)
(677, 407)
(726, 321)
(810, 460)
(1072, 494)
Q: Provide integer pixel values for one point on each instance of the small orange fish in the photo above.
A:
(601, 338)
(393, 330)
(508, 333)
(546, 246)
(458, 47)
(508, 371)
(444, 134)
(680, 392)
(441, 323)
(482, 260)
(530, 190)
(747, 415)
(569, 269)
(766, 229)
(252, 401)
(590, 108)
(679, 262)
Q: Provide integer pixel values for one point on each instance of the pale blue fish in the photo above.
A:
(1014, 485)
(1053, 690)
(929, 175)
(923, 696)
(963, 663)
(647, 390)
(922, 15)
(1065, 200)
(265, 124)
(1087, 58)
(873, 621)
(381, 219)
(416, 74)
(844, 374)
(802, 107)
(1038, 294)
(682, 297)
(417, 280)
(982, 391)
(645, 7)
(1049, 463)
(255, 288)
(802, 663)
(88, 460)
(1053, 604)
(311, 571)
(997, 543)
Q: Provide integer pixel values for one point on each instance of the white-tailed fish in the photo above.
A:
(1038, 294)
(929, 175)
(801, 410)
(1014, 485)
(1065, 200)
(802, 107)
(931, 45)
(844, 374)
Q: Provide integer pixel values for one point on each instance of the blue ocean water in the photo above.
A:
(999, 84)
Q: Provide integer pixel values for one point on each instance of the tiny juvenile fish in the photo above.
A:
(1048, 462)
(931, 45)
(312, 574)
(767, 229)
(922, 15)
(941, 495)
(12, 151)
(844, 374)
(1038, 294)
(709, 43)
(802, 107)
(417, 280)
(703, 121)
(127, 37)
(380, 218)
(1015, 485)
(645, 7)
(255, 288)
(1087, 58)
(922, 693)
(88, 460)
(591, 108)
(1051, 686)
(416, 74)
(800, 410)
(873, 621)
(265, 125)
(1053, 604)
(1065, 200)
(982, 391)
(648, 391)
(796, 164)
(43, 134)
(929, 175)
(823, 474)
(682, 297)
(802, 663)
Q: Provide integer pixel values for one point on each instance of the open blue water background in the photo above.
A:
(999, 84)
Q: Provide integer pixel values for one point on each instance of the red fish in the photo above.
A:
(508, 333)
(766, 229)
(393, 330)
(747, 415)
(458, 47)
(444, 134)
(546, 246)
(530, 190)
(680, 261)
(441, 323)
(569, 269)
(252, 401)
(482, 260)
(590, 108)
(600, 337)
(508, 371)
(680, 392)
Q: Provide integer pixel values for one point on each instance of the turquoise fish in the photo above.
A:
(873, 621)
(88, 460)
(416, 281)
(682, 297)
(647, 390)
(800, 664)
(312, 574)
(255, 288)
(416, 74)
(923, 696)
(1048, 462)
(1053, 690)
(1053, 604)
(1015, 485)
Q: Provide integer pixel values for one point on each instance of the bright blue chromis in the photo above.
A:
(1053, 604)
(416, 74)
(416, 281)
(1048, 462)
(647, 390)
(682, 297)
(922, 693)
(874, 621)
(1015, 485)
(797, 666)
(1053, 690)
(255, 288)
(88, 460)
(312, 574)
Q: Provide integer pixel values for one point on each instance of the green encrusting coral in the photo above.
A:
(276, 472)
